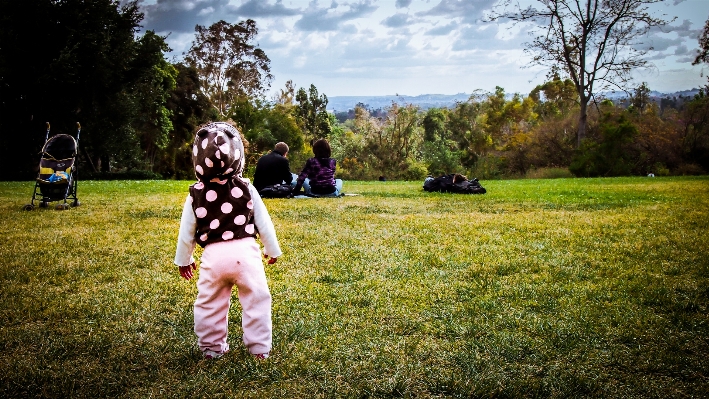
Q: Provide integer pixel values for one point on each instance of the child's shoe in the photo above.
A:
(260, 356)
(212, 354)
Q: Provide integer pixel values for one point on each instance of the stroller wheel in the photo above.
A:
(28, 207)
(75, 203)
(43, 204)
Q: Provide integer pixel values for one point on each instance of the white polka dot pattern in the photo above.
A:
(221, 198)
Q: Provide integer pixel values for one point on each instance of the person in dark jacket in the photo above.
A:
(273, 168)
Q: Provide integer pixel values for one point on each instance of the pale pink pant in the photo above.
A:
(225, 264)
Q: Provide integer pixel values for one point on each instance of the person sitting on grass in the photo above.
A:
(273, 168)
(223, 214)
(318, 175)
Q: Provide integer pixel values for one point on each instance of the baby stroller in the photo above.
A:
(57, 171)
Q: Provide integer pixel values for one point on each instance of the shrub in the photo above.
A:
(488, 167)
(415, 170)
(548, 173)
(689, 169)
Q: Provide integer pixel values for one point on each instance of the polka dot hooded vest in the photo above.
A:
(220, 199)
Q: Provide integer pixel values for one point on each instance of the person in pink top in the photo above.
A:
(224, 214)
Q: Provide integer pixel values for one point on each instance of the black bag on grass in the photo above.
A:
(453, 183)
(276, 191)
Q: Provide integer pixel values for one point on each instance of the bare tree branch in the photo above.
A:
(590, 40)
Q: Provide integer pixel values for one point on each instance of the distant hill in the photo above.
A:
(426, 101)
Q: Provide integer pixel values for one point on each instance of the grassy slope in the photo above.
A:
(568, 287)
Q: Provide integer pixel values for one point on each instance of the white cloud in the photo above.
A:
(403, 3)
(372, 47)
(331, 18)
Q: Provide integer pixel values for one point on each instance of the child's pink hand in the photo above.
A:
(186, 271)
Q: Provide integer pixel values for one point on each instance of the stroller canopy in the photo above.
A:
(60, 146)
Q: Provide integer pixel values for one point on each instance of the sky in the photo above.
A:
(413, 47)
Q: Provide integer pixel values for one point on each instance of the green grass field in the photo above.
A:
(539, 288)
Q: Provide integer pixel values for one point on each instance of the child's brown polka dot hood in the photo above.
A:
(220, 199)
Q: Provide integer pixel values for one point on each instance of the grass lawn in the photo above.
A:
(539, 288)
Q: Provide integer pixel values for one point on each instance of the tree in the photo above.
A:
(439, 151)
(229, 64)
(75, 61)
(612, 153)
(559, 96)
(153, 118)
(640, 99)
(590, 40)
(311, 112)
(188, 109)
(703, 55)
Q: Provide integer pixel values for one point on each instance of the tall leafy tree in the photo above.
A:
(153, 89)
(229, 63)
(590, 40)
(311, 112)
(74, 60)
(555, 98)
(188, 108)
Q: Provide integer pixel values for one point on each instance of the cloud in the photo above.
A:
(682, 50)
(682, 30)
(181, 15)
(656, 43)
(442, 30)
(331, 19)
(469, 11)
(260, 8)
(403, 3)
(397, 20)
(485, 37)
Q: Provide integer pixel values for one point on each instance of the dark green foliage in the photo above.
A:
(311, 112)
(189, 108)
(76, 61)
(695, 133)
(264, 125)
(610, 154)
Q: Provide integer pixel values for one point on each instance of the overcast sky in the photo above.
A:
(411, 47)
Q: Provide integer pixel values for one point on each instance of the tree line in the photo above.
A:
(86, 61)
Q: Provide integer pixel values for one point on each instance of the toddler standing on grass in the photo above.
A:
(223, 214)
